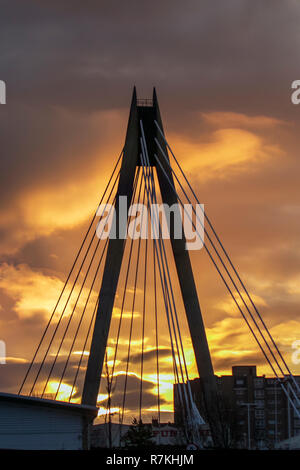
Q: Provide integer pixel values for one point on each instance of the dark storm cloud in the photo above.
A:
(149, 355)
(54, 56)
(87, 57)
(13, 374)
(50, 252)
(60, 59)
(68, 65)
(42, 144)
(132, 391)
(246, 359)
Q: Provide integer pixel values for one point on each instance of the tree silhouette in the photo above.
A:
(138, 435)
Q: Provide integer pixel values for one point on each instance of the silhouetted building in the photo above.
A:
(32, 423)
(249, 403)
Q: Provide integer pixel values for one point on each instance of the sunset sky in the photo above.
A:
(223, 74)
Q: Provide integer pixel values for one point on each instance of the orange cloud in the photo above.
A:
(35, 292)
(227, 150)
(229, 119)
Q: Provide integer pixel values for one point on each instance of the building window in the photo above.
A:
(259, 393)
(260, 423)
(239, 392)
(272, 391)
(260, 403)
(258, 383)
(273, 412)
(259, 413)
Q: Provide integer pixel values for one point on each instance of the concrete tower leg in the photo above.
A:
(189, 295)
(113, 263)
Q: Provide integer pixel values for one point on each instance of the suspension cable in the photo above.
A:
(126, 279)
(224, 266)
(63, 311)
(251, 315)
(156, 334)
(81, 317)
(173, 307)
(83, 349)
(132, 315)
(67, 280)
(144, 315)
(163, 279)
(106, 242)
(168, 274)
(75, 305)
(227, 286)
(229, 259)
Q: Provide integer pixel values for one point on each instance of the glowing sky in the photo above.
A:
(223, 72)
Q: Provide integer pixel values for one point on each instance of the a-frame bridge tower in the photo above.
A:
(147, 112)
(146, 149)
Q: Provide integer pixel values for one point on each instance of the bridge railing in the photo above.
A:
(144, 102)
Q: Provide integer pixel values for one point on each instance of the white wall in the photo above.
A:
(33, 426)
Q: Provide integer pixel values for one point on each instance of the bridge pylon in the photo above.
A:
(147, 112)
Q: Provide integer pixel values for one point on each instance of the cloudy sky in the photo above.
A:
(223, 74)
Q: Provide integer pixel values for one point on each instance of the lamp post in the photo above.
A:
(248, 405)
(276, 412)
